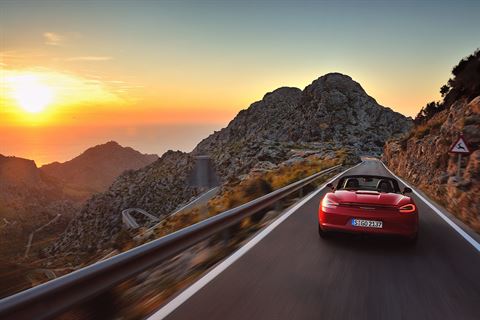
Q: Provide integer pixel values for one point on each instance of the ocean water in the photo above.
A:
(61, 143)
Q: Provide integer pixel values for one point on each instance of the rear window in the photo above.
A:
(380, 184)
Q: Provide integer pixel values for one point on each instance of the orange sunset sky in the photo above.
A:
(163, 75)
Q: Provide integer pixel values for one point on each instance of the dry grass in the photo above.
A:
(260, 183)
(431, 126)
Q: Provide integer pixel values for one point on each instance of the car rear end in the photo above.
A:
(372, 218)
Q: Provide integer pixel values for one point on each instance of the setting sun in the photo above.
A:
(30, 94)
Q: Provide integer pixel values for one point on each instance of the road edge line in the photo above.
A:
(222, 266)
(450, 222)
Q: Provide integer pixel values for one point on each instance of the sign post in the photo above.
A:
(459, 147)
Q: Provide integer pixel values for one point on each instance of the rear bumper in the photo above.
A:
(405, 225)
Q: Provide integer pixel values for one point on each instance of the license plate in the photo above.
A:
(367, 223)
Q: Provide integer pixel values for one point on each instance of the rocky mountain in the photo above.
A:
(333, 113)
(16, 171)
(24, 186)
(95, 169)
(422, 157)
(28, 199)
(31, 197)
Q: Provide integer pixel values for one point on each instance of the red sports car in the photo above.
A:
(368, 204)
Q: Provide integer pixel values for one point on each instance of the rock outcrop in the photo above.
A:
(423, 159)
(333, 114)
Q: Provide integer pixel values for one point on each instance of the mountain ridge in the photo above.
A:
(32, 196)
(96, 168)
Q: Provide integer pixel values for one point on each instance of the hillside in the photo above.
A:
(96, 168)
(30, 197)
(422, 157)
(332, 114)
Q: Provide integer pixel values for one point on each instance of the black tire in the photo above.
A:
(323, 234)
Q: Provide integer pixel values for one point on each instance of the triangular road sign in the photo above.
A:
(460, 146)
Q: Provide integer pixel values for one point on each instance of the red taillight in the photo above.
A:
(408, 208)
(328, 203)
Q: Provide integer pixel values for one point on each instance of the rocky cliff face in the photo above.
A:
(95, 169)
(331, 114)
(423, 159)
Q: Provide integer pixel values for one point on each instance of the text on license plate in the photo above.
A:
(367, 223)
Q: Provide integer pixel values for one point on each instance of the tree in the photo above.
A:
(465, 84)
(420, 118)
(427, 112)
(444, 90)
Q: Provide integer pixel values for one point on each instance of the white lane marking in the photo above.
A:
(452, 224)
(199, 284)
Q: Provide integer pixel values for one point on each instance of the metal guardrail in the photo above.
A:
(54, 297)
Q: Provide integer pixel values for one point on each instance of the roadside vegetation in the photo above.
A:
(463, 85)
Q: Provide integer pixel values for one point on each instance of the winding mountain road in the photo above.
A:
(293, 274)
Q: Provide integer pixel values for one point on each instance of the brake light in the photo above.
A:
(408, 208)
(329, 203)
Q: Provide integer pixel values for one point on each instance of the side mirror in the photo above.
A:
(407, 190)
(331, 186)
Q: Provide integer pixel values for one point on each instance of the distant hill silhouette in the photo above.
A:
(95, 169)
(31, 197)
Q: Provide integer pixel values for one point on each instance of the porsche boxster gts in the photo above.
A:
(368, 204)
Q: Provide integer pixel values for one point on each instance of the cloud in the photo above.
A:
(52, 38)
(89, 58)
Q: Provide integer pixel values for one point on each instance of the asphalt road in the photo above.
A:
(293, 274)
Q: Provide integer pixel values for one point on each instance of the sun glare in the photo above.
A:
(45, 96)
(30, 94)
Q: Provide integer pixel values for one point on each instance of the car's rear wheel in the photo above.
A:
(323, 234)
